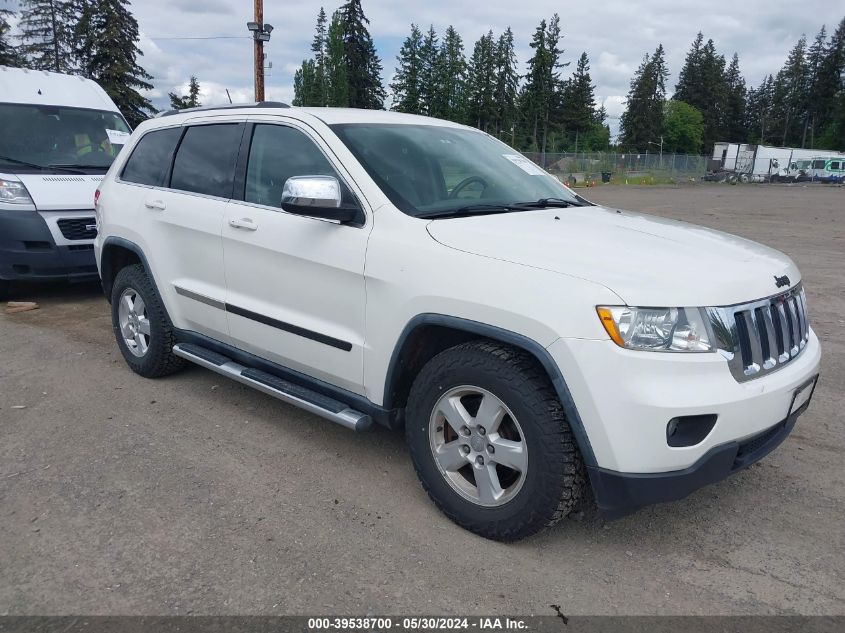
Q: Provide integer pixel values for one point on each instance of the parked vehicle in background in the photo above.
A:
(830, 169)
(761, 163)
(58, 136)
(378, 267)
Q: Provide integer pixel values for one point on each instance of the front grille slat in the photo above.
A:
(765, 334)
(77, 228)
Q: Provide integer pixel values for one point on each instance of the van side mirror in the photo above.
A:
(319, 197)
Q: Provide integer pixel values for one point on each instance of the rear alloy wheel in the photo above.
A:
(490, 441)
(142, 328)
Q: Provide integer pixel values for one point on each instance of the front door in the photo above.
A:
(295, 285)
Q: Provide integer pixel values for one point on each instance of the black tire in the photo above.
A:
(555, 477)
(159, 359)
(4, 289)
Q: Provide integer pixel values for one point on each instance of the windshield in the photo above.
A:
(33, 137)
(429, 170)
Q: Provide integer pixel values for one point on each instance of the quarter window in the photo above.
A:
(205, 160)
(151, 157)
(277, 153)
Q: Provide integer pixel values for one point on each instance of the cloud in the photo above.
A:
(615, 34)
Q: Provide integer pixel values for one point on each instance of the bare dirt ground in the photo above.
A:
(192, 494)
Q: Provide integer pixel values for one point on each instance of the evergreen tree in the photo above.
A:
(579, 103)
(406, 86)
(47, 34)
(507, 86)
(702, 83)
(541, 94)
(428, 75)
(758, 112)
(789, 96)
(831, 107)
(9, 55)
(191, 100)
(735, 103)
(317, 93)
(108, 33)
(481, 83)
(450, 78)
(336, 76)
(642, 121)
(363, 66)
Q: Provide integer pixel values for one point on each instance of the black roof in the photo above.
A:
(230, 106)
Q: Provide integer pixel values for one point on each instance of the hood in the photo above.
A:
(61, 192)
(646, 260)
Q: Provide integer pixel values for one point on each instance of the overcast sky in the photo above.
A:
(614, 33)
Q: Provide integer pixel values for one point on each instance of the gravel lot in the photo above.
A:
(196, 495)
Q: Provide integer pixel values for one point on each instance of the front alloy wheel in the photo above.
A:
(478, 446)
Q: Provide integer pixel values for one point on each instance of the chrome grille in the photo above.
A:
(762, 336)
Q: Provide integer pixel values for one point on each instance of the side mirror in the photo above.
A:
(318, 197)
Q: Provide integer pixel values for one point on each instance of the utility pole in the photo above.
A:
(260, 34)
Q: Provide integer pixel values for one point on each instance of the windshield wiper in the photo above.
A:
(16, 161)
(549, 203)
(471, 209)
(77, 166)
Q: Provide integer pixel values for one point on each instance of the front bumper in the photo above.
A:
(625, 399)
(618, 494)
(28, 251)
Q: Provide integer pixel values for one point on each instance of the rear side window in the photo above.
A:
(205, 161)
(151, 157)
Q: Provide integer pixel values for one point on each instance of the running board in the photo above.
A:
(302, 397)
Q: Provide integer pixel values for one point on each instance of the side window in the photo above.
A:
(278, 153)
(151, 157)
(205, 160)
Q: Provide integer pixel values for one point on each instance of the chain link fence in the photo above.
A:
(635, 168)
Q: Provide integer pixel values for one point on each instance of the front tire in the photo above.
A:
(4, 289)
(490, 441)
(141, 326)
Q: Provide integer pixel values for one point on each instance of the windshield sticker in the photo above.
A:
(525, 165)
(117, 137)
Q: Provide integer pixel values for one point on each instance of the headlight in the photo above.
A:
(14, 192)
(657, 329)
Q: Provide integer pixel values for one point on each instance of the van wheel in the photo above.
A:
(4, 289)
(490, 441)
(141, 326)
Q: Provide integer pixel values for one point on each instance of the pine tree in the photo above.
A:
(507, 86)
(428, 64)
(317, 93)
(336, 77)
(642, 121)
(191, 100)
(759, 111)
(450, 78)
(47, 34)
(108, 32)
(789, 96)
(481, 83)
(363, 66)
(702, 84)
(831, 108)
(9, 55)
(541, 99)
(579, 103)
(406, 86)
(735, 103)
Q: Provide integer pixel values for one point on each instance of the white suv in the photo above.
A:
(374, 267)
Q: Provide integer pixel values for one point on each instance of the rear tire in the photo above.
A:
(526, 448)
(141, 326)
(4, 289)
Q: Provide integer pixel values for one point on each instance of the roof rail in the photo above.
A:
(229, 106)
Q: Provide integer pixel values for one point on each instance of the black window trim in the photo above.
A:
(242, 165)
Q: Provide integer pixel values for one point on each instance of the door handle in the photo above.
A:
(243, 223)
(155, 205)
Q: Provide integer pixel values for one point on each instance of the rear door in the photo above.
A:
(295, 285)
(180, 223)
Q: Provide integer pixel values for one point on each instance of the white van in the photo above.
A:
(58, 136)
